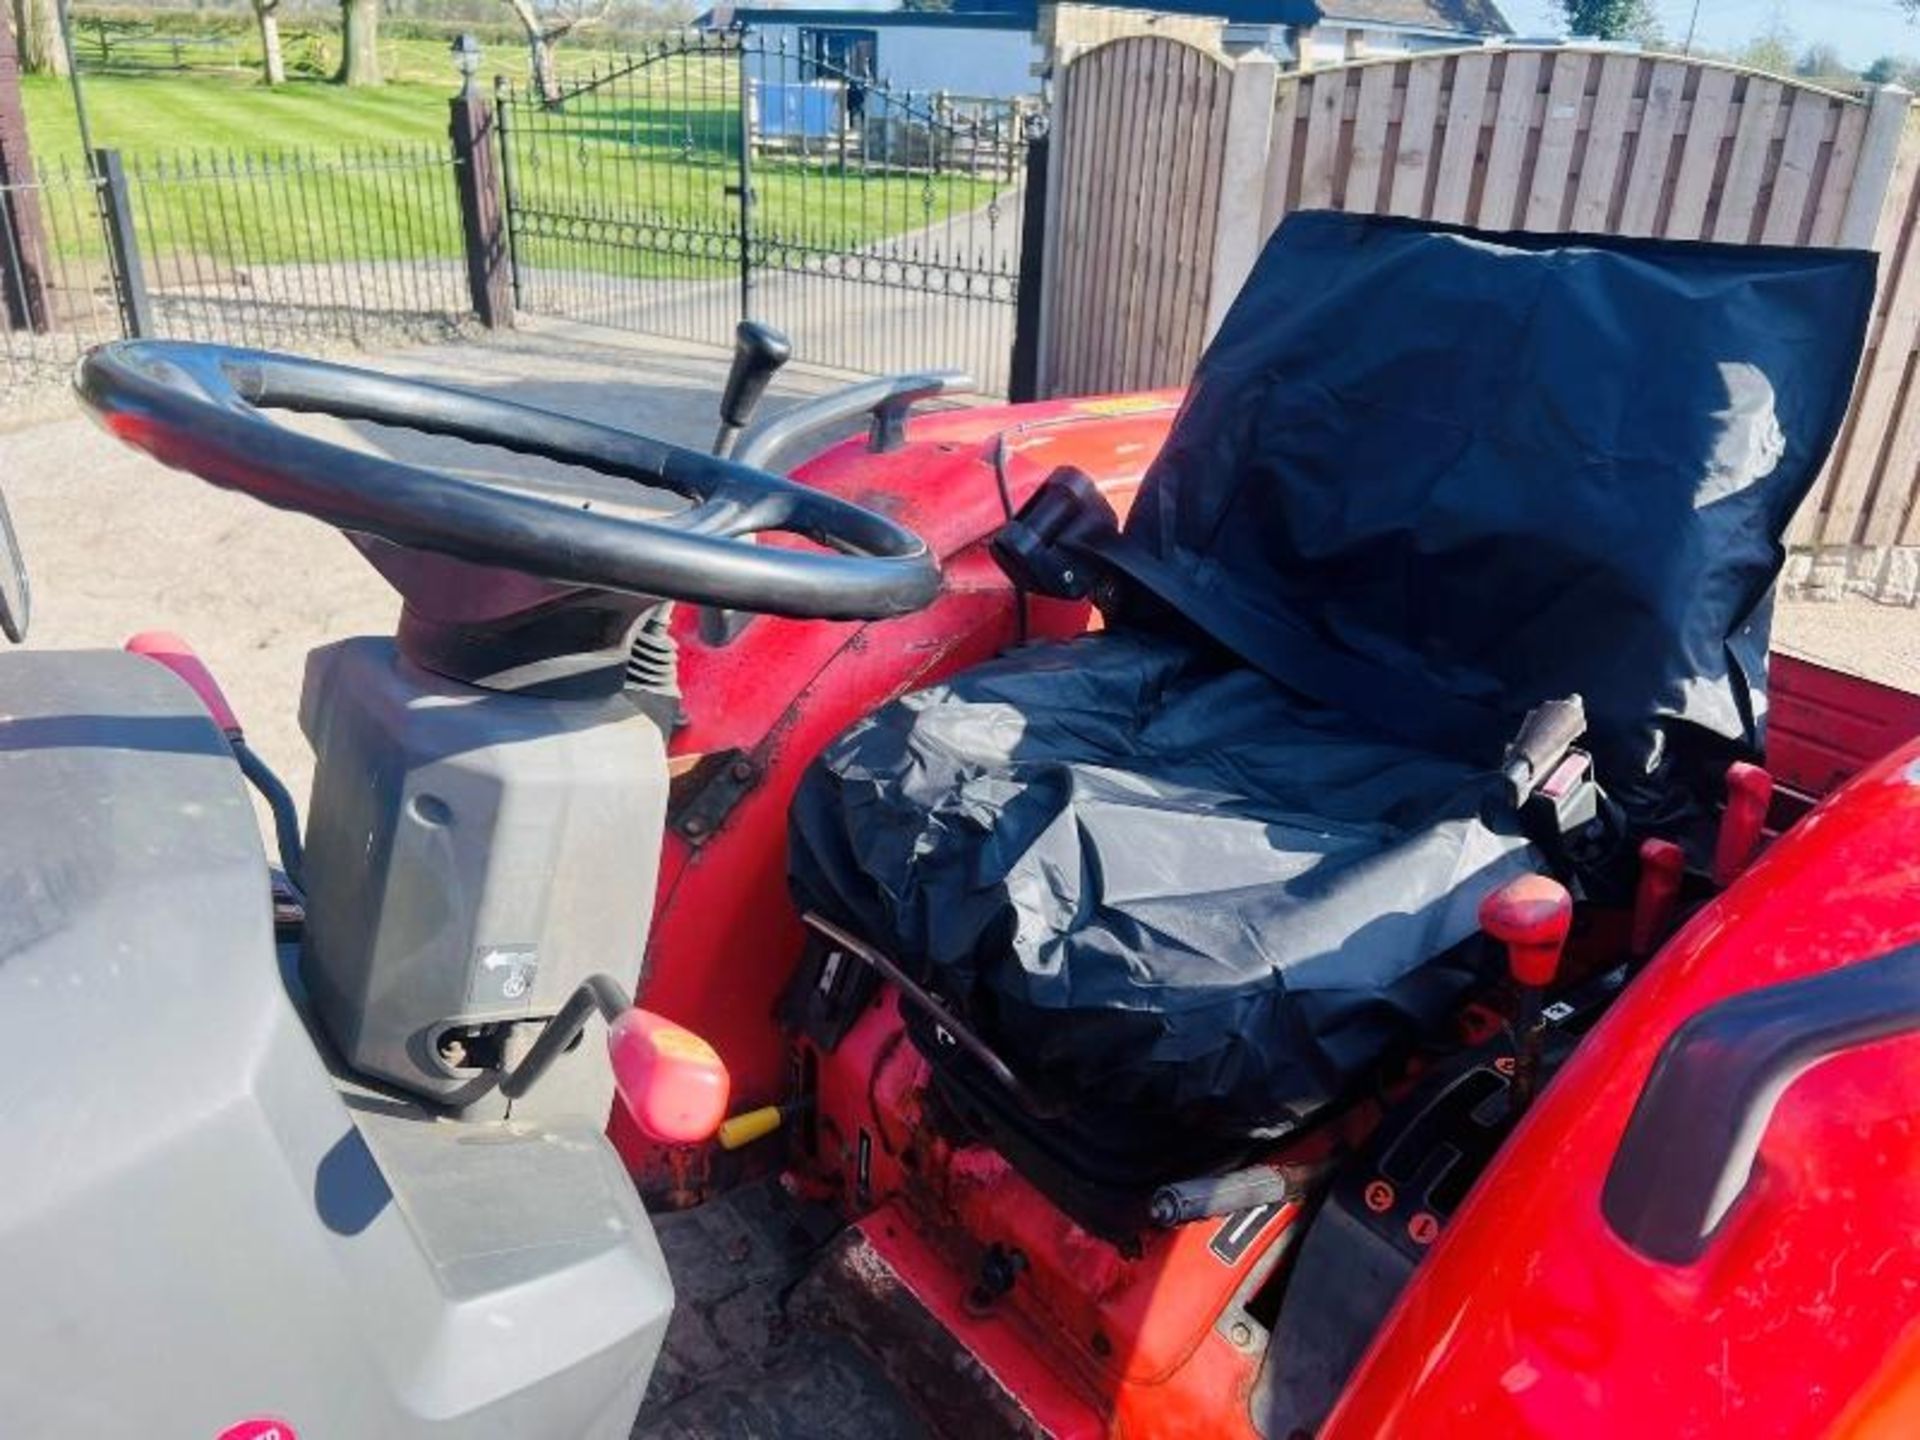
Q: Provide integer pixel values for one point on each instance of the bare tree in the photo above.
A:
(548, 22)
(267, 12)
(359, 43)
(36, 28)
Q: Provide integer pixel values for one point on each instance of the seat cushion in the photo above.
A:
(1156, 882)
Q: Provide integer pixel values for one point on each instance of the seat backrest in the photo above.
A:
(1485, 470)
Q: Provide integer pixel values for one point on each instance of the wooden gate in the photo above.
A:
(1140, 129)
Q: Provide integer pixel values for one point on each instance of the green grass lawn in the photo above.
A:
(229, 172)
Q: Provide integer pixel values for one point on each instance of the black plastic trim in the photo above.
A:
(1690, 1145)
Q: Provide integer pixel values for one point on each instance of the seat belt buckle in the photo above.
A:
(1567, 799)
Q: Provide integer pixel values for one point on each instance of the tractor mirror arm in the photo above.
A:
(1694, 1135)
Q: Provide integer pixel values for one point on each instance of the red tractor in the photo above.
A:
(1298, 907)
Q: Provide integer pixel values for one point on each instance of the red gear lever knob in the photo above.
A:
(1531, 917)
(672, 1082)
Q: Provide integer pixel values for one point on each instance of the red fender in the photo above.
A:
(1802, 1317)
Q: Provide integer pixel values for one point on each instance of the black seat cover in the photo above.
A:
(1202, 874)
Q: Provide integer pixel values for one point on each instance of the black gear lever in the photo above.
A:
(758, 353)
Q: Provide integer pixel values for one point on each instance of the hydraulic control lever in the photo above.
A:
(1656, 896)
(163, 647)
(671, 1081)
(1749, 794)
(758, 353)
(1530, 917)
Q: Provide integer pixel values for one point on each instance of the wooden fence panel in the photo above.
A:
(1616, 142)
(1544, 138)
(1570, 139)
(1139, 138)
(1867, 494)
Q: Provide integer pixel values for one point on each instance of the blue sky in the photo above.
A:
(1858, 29)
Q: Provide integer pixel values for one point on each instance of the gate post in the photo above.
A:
(123, 245)
(482, 217)
(1023, 370)
(1873, 170)
(23, 236)
(1243, 182)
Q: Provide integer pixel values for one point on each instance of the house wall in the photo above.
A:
(994, 63)
(1333, 43)
(1067, 26)
(1081, 27)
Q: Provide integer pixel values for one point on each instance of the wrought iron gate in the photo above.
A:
(719, 176)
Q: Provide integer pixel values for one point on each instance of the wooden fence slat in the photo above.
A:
(1889, 239)
(1325, 99)
(1606, 142)
(1120, 95)
(1146, 212)
(1843, 162)
(1747, 168)
(1787, 208)
(1179, 365)
(1187, 298)
(1700, 155)
(1413, 158)
(1460, 148)
(1370, 121)
(1653, 150)
(1546, 197)
(1877, 394)
(1286, 113)
(1512, 124)
(1885, 507)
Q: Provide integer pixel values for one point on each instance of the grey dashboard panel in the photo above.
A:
(195, 1227)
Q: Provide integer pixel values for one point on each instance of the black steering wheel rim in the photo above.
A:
(198, 408)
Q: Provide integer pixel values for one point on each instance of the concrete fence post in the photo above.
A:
(1243, 181)
(1873, 171)
(482, 213)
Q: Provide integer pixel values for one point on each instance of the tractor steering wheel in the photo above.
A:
(200, 408)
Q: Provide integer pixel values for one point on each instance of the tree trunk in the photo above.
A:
(360, 42)
(37, 28)
(546, 84)
(276, 67)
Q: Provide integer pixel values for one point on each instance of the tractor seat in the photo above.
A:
(1194, 877)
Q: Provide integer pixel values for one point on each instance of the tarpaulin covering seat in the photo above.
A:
(1203, 869)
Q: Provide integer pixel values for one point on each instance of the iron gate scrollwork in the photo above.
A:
(716, 176)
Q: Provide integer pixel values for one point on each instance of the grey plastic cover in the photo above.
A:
(197, 1227)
